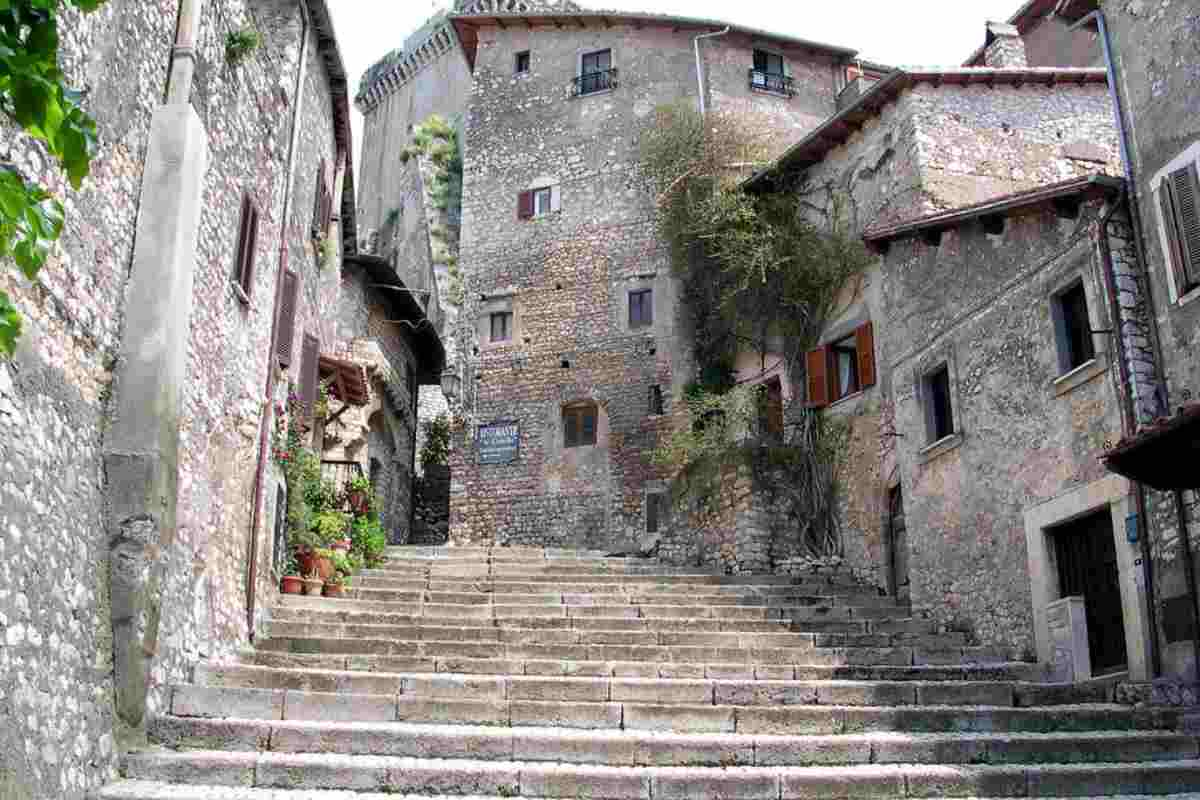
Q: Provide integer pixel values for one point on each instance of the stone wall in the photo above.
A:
(1156, 49)
(1023, 435)
(566, 276)
(56, 668)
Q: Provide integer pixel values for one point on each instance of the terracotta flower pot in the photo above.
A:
(313, 586)
(334, 590)
(324, 567)
(341, 544)
(360, 502)
(305, 560)
(291, 584)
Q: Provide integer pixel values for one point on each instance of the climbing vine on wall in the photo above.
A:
(757, 276)
(437, 141)
(34, 96)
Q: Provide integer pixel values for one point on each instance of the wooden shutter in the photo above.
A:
(864, 343)
(1185, 197)
(525, 205)
(1174, 257)
(289, 290)
(818, 377)
(246, 276)
(652, 500)
(309, 366)
(571, 427)
(319, 201)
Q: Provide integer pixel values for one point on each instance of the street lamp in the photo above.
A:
(450, 385)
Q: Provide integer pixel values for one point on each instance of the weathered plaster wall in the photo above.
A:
(566, 275)
(56, 709)
(1157, 53)
(981, 303)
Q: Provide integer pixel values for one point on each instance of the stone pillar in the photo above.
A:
(141, 450)
(1005, 47)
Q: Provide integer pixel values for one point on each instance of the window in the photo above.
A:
(501, 326)
(641, 308)
(656, 401)
(522, 63)
(939, 415)
(310, 358)
(1179, 205)
(579, 425)
(595, 73)
(537, 202)
(656, 511)
(322, 204)
(243, 271)
(1072, 328)
(842, 368)
(769, 73)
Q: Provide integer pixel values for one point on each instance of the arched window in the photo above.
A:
(579, 424)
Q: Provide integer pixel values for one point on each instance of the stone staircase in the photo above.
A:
(520, 672)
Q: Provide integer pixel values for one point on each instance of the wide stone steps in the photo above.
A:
(650, 690)
(649, 713)
(637, 748)
(386, 774)
(457, 673)
(153, 790)
(638, 669)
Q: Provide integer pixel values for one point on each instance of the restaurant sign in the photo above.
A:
(498, 442)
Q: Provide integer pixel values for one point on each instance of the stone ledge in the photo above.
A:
(1082, 374)
(940, 448)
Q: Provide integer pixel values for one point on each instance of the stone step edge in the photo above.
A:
(460, 681)
(639, 669)
(372, 773)
(155, 790)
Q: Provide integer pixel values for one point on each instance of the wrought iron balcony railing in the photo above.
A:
(771, 82)
(592, 82)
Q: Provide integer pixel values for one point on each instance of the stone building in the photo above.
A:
(1155, 53)
(198, 276)
(579, 357)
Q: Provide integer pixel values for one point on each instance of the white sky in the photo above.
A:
(896, 32)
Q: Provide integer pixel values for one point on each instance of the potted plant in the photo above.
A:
(313, 584)
(336, 585)
(291, 582)
(323, 563)
(358, 493)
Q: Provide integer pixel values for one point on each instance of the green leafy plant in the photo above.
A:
(393, 216)
(436, 449)
(359, 483)
(368, 539)
(758, 275)
(326, 252)
(241, 43)
(329, 525)
(34, 96)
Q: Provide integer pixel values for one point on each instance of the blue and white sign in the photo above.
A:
(499, 442)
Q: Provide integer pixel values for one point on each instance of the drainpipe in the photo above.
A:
(1155, 339)
(183, 53)
(268, 394)
(1137, 491)
(699, 68)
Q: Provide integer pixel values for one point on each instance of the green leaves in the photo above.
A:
(33, 94)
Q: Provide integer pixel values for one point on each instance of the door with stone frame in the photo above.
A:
(1086, 561)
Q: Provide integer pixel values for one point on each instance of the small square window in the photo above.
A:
(579, 425)
(595, 72)
(656, 401)
(641, 308)
(939, 414)
(522, 63)
(1073, 329)
(543, 200)
(501, 326)
(768, 63)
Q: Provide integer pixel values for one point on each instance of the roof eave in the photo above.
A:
(327, 45)
(430, 351)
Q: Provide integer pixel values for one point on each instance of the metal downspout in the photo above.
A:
(1137, 491)
(183, 53)
(268, 398)
(700, 68)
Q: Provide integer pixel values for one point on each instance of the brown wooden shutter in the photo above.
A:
(818, 377)
(243, 241)
(247, 272)
(286, 332)
(309, 366)
(864, 343)
(1185, 194)
(1174, 256)
(525, 205)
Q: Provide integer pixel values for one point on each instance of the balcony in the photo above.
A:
(771, 82)
(593, 82)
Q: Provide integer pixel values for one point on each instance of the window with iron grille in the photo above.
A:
(641, 308)
(1179, 207)
(579, 425)
(769, 73)
(595, 72)
(1072, 328)
(501, 326)
(522, 63)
